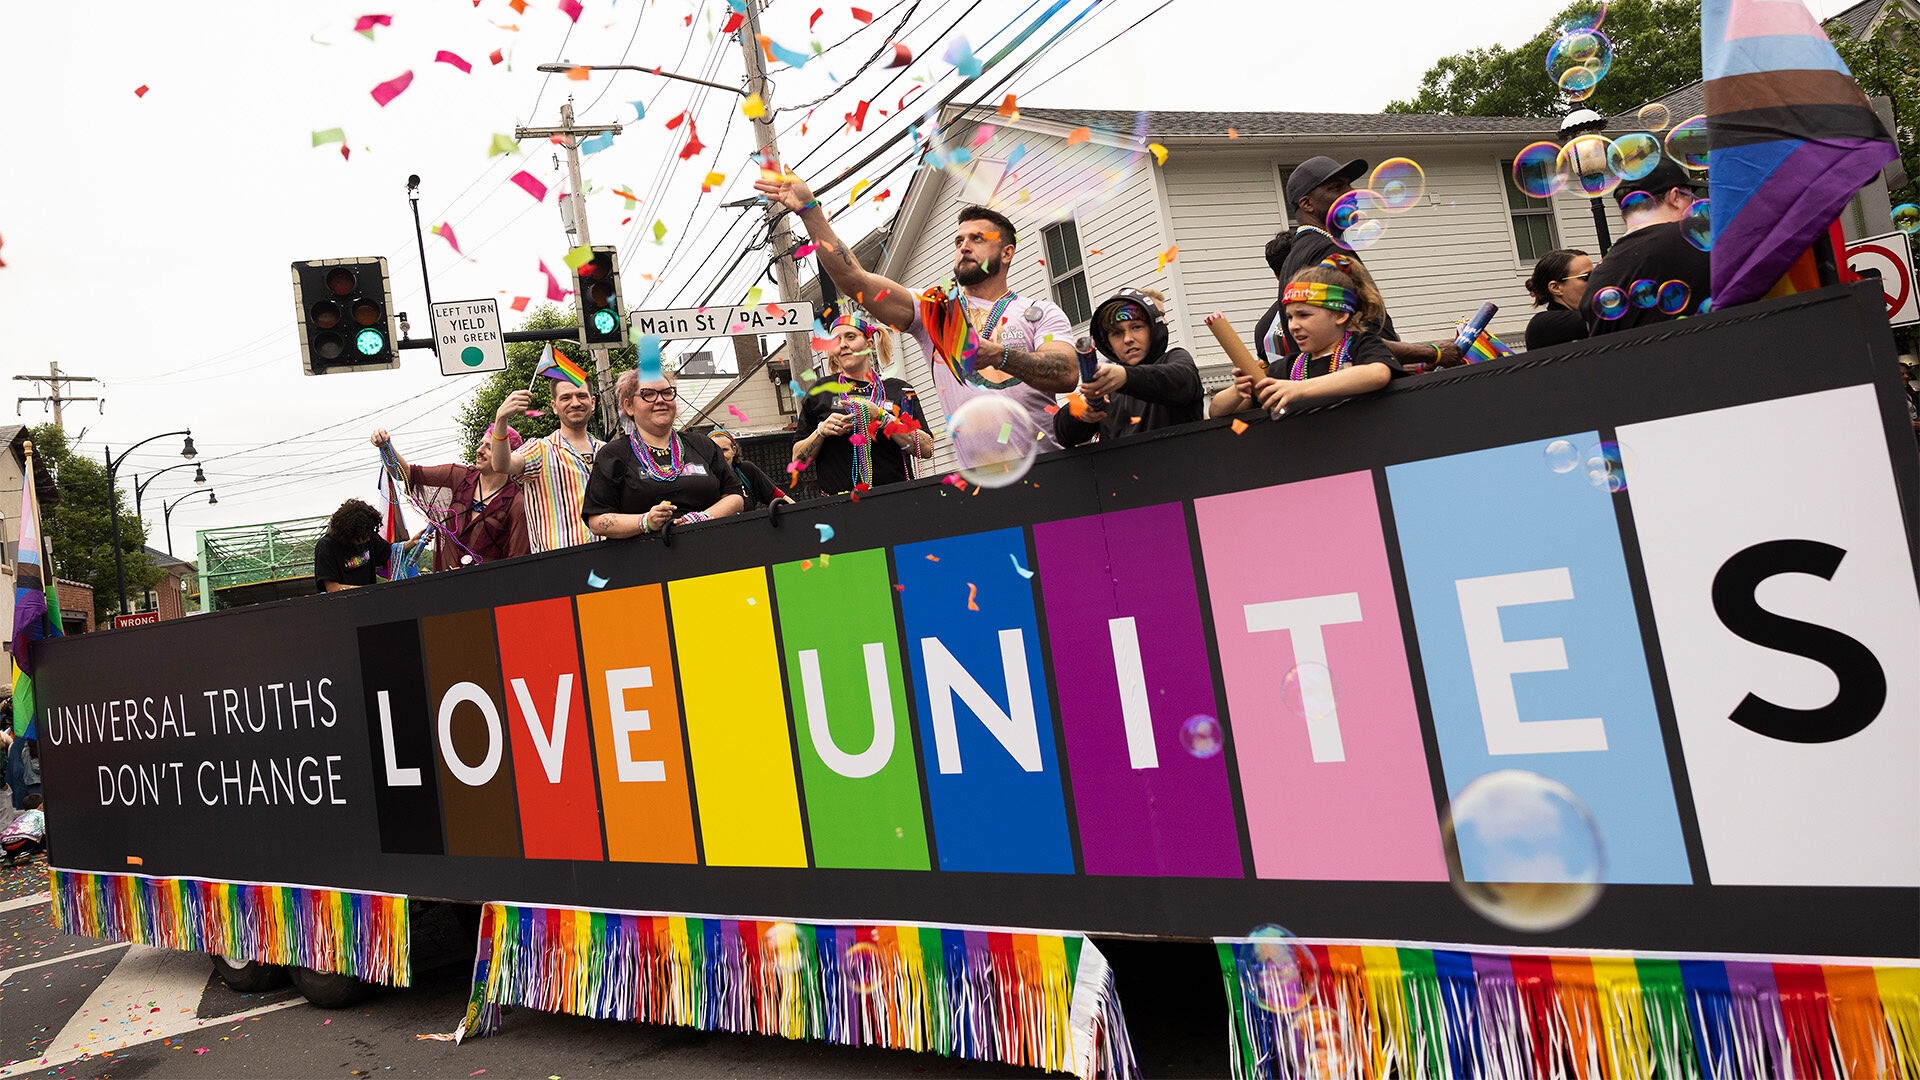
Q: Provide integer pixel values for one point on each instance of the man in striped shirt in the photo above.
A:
(552, 471)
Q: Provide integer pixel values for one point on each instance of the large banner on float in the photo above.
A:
(973, 707)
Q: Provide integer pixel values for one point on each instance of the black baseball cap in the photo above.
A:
(1315, 171)
(1663, 178)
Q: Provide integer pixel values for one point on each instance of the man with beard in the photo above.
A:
(1023, 348)
(1312, 189)
(552, 471)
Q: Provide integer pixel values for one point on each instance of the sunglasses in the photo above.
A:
(1578, 277)
(664, 393)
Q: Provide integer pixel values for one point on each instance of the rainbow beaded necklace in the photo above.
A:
(868, 407)
(676, 461)
(1342, 357)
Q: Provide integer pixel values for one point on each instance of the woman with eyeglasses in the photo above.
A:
(655, 475)
(1559, 282)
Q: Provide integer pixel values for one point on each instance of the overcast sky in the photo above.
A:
(147, 239)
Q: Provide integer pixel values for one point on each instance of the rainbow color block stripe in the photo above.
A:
(1370, 1009)
(1487, 347)
(555, 365)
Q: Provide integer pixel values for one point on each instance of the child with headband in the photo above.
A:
(1333, 313)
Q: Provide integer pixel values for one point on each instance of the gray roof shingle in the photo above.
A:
(1178, 124)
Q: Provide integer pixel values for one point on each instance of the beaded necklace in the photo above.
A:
(865, 405)
(675, 462)
(1342, 357)
(994, 314)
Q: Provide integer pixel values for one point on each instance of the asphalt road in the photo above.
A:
(80, 1008)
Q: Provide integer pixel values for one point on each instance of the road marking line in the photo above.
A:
(19, 902)
(5, 972)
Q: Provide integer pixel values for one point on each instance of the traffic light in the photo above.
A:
(597, 283)
(344, 309)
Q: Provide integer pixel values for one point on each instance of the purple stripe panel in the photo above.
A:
(1130, 670)
(1787, 211)
(1753, 981)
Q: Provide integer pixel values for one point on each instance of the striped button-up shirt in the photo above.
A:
(553, 486)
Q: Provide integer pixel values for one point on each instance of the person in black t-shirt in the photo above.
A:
(655, 475)
(1652, 256)
(351, 552)
(1312, 189)
(1331, 312)
(756, 487)
(1273, 325)
(866, 435)
(1559, 282)
(1147, 386)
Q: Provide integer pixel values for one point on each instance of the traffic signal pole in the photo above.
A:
(799, 342)
(602, 359)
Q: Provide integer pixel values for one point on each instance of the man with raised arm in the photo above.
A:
(552, 471)
(979, 337)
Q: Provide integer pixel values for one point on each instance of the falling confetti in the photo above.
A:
(1017, 568)
(1009, 109)
(578, 257)
(775, 51)
(973, 594)
(804, 250)
(659, 231)
(754, 107)
(364, 24)
(530, 185)
(1166, 257)
(826, 531)
(554, 292)
(1078, 135)
(713, 180)
(595, 580)
(863, 15)
(572, 8)
(597, 143)
(496, 56)
(502, 144)
(392, 88)
(579, 74)
(444, 231)
(140, 91)
(902, 56)
(331, 135)
(1239, 426)
(445, 57)
(1159, 152)
(960, 55)
(520, 303)
(649, 364)
(738, 414)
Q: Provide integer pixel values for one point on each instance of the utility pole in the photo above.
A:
(780, 238)
(602, 359)
(54, 396)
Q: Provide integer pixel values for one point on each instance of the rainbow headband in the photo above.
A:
(1331, 297)
(866, 328)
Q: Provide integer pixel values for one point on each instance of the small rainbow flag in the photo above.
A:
(555, 365)
(1487, 347)
(945, 319)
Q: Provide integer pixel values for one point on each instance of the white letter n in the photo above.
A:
(946, 679)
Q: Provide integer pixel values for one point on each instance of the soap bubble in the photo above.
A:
(863, 966)
(1697, 225)
(1655, 117)
(1277, 973)
(1578, 60)
(1906, 218)
(783, 947)
(993, 440)
(1201, 736)
(1687, 143)
(1673, 297)
(1636, 203)
(1357, 219)
(1633, 156)
(1586, 165)
(1401, 182)
(1523, 851)
(1536, 170)
(1307, 691)
(1644, 293)
(1562, 456)
(1706, 305)
(1585, 20)
(1607, 464)
(1079, 184)
(1610, 303)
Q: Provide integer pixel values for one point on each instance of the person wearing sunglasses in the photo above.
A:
(1558, 284)
(655, 475)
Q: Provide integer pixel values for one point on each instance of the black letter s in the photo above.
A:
(1863, 683)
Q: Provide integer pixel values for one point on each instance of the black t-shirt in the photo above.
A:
(1275, 314)
(1555, 326)
(348, 564)
(1310, 245)
(1367, 349)
(1657, 253)
(760, 489)
(833, 464)
(618, 485)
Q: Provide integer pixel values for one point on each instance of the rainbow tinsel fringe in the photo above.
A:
(1365, 1011)
(359, 934)
(1042, 1000)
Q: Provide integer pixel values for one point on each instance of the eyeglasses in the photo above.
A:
(663, 393)
(1578, 277)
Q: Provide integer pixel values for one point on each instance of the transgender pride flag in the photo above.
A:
(1792, 139)
(32, 618)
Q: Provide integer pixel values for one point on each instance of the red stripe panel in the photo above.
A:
(559, 807)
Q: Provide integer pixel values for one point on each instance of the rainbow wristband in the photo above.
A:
(810, 206)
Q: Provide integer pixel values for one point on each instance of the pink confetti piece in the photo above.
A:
(496, 56)
(140, 91)
(554, 292)
(804, 250)
(863, 15)
(444, 231)
(902, 56)
(530, 185)
(392, 88)
(573, 10)
(534, 412)
(367, 22)
(445, 57)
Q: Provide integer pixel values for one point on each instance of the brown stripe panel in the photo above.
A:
(481, 810)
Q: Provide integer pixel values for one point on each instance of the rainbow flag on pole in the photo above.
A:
(1792, 139)
(555, 365)
(36, 614)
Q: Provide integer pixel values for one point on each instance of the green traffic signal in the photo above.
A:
(605, 321)
(370, 342)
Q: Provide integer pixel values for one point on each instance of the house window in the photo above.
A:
(1532, 219)
(1066, 272)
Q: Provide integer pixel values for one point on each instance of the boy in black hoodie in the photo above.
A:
(1146, 385)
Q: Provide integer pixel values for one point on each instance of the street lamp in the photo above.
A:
(166, 512)
(140, 486)
(113, 501)
(1587, 122)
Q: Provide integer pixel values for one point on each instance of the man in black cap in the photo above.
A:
(1312, 189)
(1653, 253)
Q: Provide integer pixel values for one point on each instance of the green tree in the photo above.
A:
(1656, 48)
(477, 412)
(1883, 64)
(80, 531)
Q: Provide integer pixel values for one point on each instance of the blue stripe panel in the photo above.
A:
(1765, 52)
(1504, 511)
(993, 774)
